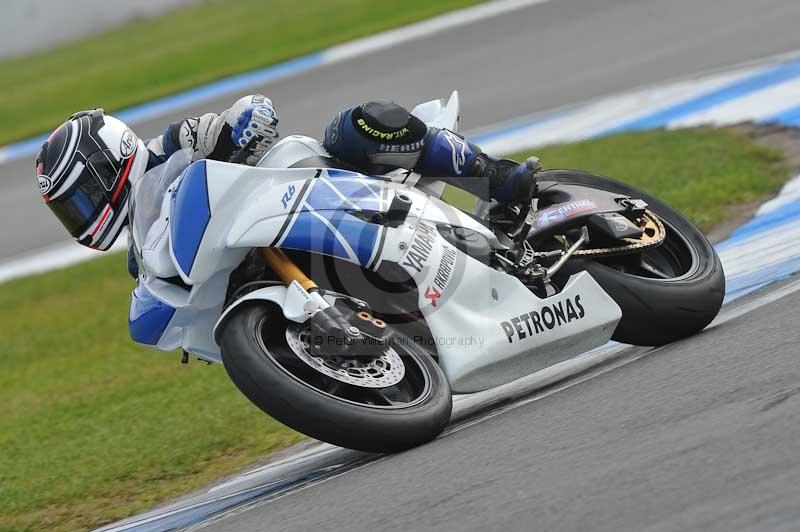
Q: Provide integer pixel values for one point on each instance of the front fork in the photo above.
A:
(299, 284)
(286, 269)
(325, 319)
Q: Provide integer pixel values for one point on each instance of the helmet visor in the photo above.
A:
(77, 208)
(104, 167)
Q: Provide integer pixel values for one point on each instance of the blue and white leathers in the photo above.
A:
(446, 154)
(215, 213)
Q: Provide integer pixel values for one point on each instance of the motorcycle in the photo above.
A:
(352, 307)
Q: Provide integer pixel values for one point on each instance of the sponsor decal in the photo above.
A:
(458, 150)
(371, 131)
(127, 144)
(561, 212)
(433, 294)
(420, 249)
(445, 267)
(45, 184)
(547, 318)
(287, 196)
(401, 148)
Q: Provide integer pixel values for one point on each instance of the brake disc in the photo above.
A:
(378, 371)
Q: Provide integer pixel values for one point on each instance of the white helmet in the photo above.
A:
(85, 171)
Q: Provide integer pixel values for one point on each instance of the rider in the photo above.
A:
(86, 167)
(380, 136)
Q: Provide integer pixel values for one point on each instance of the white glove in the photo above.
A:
(253, 116)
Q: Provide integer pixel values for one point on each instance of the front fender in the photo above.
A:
(296, 303)
(273, 294)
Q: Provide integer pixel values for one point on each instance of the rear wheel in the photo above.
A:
(397, 399)
(666, 292)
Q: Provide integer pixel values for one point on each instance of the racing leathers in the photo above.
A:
(375, 138)
(218, 136)
(381, 136)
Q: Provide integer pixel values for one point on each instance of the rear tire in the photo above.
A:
(263, 366)
(655, 311)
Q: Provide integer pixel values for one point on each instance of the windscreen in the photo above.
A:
(147, 195)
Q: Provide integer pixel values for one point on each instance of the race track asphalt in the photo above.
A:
(703, 434)
(527, 61)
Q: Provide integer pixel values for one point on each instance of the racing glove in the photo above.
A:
(255, 117)
(218, 136)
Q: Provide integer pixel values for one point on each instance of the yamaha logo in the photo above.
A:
(45, 184)
(128, 144)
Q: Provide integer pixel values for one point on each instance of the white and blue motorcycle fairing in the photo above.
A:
(215, 213)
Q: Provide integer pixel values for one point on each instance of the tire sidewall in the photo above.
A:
(281, 395)
(655, 311)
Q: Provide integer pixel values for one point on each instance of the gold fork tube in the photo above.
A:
(286, 269)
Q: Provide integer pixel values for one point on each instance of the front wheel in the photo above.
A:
(389, 402)
(667, 292)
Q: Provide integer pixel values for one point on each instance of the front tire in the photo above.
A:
(655, 311)
(260, 361)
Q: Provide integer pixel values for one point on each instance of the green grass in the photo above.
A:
(95, 427)
(188, 47)
(701, 172)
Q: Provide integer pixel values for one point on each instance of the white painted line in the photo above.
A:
(303, 456)
(788, 194)
(52, 258)
(767, 246)
(767, 102)
(590, 119)
(752, 92)
(762, 250)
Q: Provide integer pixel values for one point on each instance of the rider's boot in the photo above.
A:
(513, 191)
(509, 182)
(454, 159)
